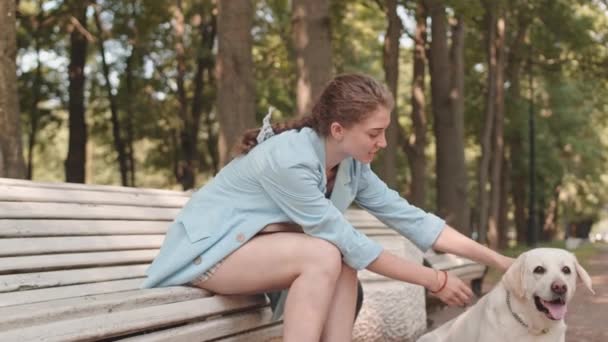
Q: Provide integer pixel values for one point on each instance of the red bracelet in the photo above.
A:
(445, 281)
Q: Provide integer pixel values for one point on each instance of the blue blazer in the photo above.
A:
(283, 180)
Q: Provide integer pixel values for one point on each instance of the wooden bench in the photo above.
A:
(72, 258)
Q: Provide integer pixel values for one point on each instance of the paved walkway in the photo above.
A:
(587, 317)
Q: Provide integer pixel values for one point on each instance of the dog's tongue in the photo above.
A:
(557, 311)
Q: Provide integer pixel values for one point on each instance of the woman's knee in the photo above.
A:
(323, 256)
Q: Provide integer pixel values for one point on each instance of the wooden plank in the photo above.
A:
(30, 210)
(65, 244)
(26, 228)
(95, 187)
(10, 193)
(131, 321)
(19, 316)
(42, 295)
(265, 334)
(211, 329)
(31, 281)
(73, 260)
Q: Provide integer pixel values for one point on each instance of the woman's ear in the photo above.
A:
(337, 131)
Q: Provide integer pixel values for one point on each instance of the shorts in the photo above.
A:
(206, 276)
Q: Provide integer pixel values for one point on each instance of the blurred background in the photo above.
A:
(501, 122)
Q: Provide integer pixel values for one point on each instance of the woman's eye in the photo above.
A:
(539, 270)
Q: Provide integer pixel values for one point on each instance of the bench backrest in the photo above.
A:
(79, 252)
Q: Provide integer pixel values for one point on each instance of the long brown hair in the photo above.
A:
(347, 99)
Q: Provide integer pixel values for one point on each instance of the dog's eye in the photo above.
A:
(539, 270)
(566, 270)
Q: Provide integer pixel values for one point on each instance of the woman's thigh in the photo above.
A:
(272, 262)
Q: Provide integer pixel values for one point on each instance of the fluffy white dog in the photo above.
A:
(528, 304)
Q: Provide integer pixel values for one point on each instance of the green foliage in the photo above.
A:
(565, 40)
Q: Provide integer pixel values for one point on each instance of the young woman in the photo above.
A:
(273, 218)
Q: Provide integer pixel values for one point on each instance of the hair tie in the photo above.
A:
(266, 129)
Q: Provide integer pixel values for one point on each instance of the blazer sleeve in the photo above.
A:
(388, 206)
(295, 189)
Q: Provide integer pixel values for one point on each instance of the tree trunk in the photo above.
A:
(498, 137)
(415, 143)
(11, 151)
(503, 238)
(456, 193)
(204, 65)
(234, 68)
(447, 78)
(36, 88)
(388, 170)
(76, 160)
(130, 114)
(514, 139)
(119, 144)
(488, 126)
(312, 47)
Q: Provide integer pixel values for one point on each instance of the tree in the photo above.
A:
(415, 143)
(312, 46)
(492, 145)
(119, 143)
(235, 94)
(447, 89)
(11, 153)
(390, 62)
(76, 158)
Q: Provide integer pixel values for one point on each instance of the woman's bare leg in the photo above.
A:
(310, 267)
(341, 317)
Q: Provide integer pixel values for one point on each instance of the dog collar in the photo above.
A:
(517, 317)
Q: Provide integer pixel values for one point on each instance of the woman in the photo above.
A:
(242, 232)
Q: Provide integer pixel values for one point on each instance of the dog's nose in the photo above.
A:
(559, 287)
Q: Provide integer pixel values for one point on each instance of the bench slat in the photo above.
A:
(130, 321)
(31, 281)
(47, 245)
(43, 295)
(93, 187)
(12, 317)
(209, 330)
(30, 210)
(72, 260)
(33, 228)
(269, 333)
(10, 193)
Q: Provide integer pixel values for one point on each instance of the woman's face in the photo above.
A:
(363, 140)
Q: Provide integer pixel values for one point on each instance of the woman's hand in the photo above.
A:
(454, 293)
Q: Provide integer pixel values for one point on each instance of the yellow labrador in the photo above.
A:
(528, 304)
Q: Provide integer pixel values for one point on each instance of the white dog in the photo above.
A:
(528, 304)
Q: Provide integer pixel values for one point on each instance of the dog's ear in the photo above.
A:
(583, 275)
(513, 279)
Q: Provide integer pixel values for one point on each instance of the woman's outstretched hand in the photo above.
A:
(451, 290)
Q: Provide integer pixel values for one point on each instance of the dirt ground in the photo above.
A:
(587, 316)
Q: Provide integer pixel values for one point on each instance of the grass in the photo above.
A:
(583, 253)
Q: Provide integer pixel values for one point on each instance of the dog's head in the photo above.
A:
(546, 278)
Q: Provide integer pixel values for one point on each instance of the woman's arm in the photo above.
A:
(389, 265)
(452, 241)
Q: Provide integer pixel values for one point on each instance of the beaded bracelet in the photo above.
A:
(445, 281)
